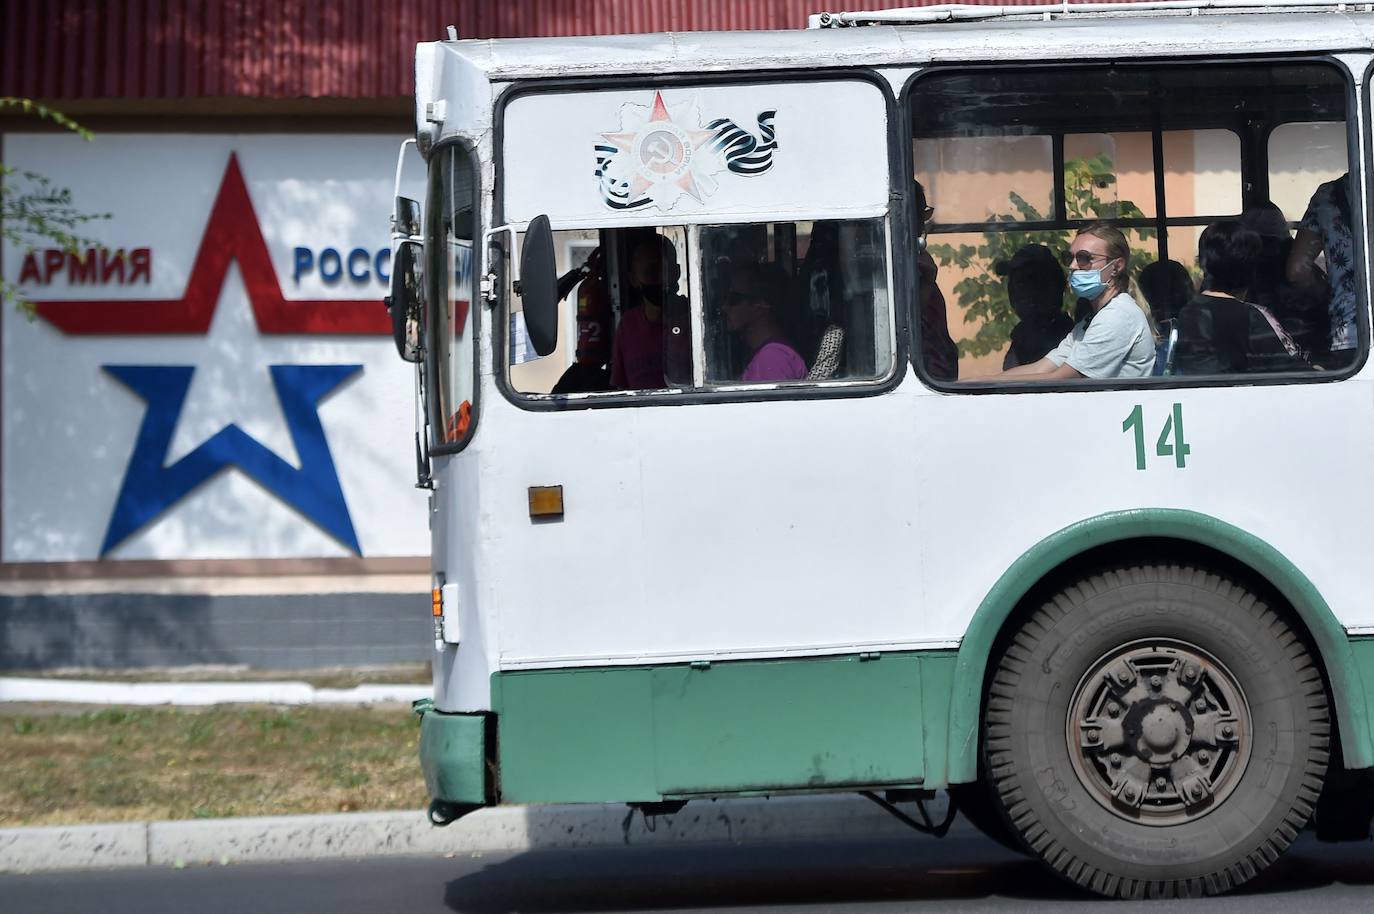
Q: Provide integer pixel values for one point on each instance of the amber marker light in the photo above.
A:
(437, 598)
(546, 502)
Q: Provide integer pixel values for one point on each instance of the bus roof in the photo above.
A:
(1158, 32)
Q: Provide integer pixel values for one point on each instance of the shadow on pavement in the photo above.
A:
(640, 878)
(635, 878)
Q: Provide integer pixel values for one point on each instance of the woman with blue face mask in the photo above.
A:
(1116, 339)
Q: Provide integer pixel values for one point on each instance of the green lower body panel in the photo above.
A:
(628, 734)
(1363, 651)
(453, 756)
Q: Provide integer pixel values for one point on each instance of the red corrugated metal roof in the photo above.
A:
(145, 49)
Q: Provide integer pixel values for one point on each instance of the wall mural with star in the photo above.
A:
(215, 379)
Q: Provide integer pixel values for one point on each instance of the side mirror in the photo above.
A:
(538, 288)
(405, 219)
(406, 301)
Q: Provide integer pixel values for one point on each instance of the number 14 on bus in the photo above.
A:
(1173, 426)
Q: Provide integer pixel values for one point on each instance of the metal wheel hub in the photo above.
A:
(1158, 732)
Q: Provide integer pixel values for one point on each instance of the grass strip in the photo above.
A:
(130, 764)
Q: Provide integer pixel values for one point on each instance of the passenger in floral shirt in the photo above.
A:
(1325, 228)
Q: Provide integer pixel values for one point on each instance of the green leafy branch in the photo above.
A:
(33, 209)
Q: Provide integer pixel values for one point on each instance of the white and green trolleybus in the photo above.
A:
(730, 496)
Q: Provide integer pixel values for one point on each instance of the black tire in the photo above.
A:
(1067, 797)
(977, 803)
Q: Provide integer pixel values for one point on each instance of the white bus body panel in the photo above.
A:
(819, 526)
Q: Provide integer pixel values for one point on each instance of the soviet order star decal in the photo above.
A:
(663, 153)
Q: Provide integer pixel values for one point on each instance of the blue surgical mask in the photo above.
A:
(1087, 283)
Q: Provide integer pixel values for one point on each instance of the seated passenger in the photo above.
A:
(1299, 306)
(1035, 288)
(752, 312)
(1219, 332)
(1167, 288)
(652, 347)
(1114, 339)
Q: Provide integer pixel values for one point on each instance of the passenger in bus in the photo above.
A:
(1035, 289)
(1300, 307)
(1115, 339)
(752, 312)
(1167, 288)
(1326, 229)
(1220, 332)
(652, 347)
(940, 354)
(589, 372)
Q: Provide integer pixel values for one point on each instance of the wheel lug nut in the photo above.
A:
(1197, 791)
(1092, 736)
(1113, 710)
(1204, 758)
(1200, 705)
(1123, 677)
(1129, 793)
(1156, 682)
(1228, 731)
(1116, 760)
(1160, 783)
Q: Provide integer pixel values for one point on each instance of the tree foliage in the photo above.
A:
(982, 294)
(33, 209)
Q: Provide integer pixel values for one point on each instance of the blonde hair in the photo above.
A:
(1119, 249)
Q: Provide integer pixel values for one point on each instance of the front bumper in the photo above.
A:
(453, 755)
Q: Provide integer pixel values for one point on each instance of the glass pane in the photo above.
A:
(652, 348)
(796, 301)
(1318, 293)
(1301, 157)
(584, 364)
(975, 179)
(1109, 176)
(623, 323)
(450, 333)
(1202, 173)
(1288, 285)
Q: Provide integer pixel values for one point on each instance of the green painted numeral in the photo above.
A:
(1136, 421)
(1173, 426)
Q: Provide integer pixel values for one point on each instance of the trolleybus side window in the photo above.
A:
(782, 303)
(450, 368)
(1240, 161)
(796, 301)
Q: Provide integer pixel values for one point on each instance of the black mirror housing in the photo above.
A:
(539, 286)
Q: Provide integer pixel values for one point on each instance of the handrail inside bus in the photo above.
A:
(957, 12)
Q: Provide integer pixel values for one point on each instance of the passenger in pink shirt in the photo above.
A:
(652, 347)
(751, 313)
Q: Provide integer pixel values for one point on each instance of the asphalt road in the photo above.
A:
(964, 874)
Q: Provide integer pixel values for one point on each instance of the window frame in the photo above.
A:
(1358, 152)
(901, 290)
(436, 446)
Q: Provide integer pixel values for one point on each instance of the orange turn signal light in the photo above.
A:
(437, 597)
(546, 501)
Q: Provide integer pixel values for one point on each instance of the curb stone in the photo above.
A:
(508, 829)
(199, 694)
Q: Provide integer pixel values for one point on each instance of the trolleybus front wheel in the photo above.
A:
(1157, 732)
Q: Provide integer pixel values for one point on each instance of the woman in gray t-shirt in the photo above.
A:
(1116, 339)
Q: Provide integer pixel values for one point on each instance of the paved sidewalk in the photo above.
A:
(513, 828)
(284, 692)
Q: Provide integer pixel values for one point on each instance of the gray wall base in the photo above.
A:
(295, 631)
